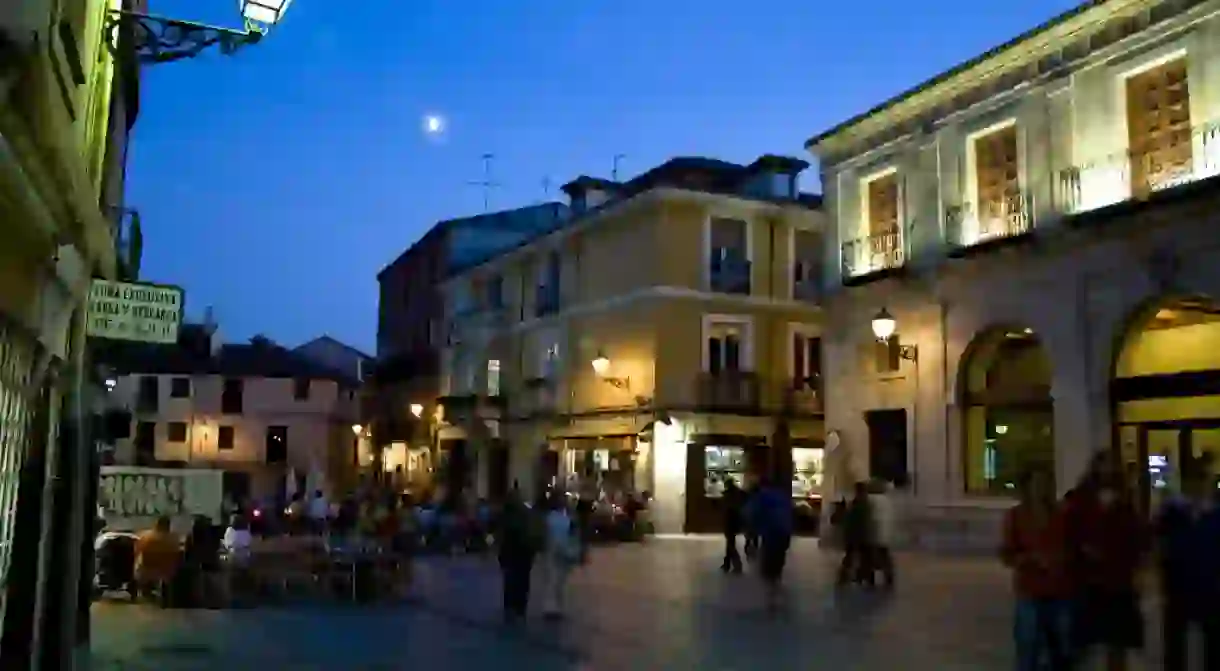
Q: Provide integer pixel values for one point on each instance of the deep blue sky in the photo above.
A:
(276, 183)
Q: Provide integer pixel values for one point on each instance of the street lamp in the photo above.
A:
(417, 409)
(357, 429)
(159, 39)
(601, 368)
(884, 325)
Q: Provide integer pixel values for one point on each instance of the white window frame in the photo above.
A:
(493, 377)
(707, 243)
(863, 230)
(806, 331)
(710, 321)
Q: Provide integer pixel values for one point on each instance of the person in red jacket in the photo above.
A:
(1106, 541)
(1034, 548)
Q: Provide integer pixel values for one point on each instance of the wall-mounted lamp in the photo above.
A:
(601, 368)
(357, 429)
(417, 409)
(885, 328)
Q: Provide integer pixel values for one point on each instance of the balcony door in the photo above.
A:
(882, 216)
(998, 182)
(887, 444)
(1158, 127)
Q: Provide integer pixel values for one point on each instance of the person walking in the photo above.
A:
(750, 545)
(734, 504)
(1188, 530)
(1034, 547)
(563, 553)
(885, 531)
(517, 545)
(772, 517)
(1106, 540)
(858, 533)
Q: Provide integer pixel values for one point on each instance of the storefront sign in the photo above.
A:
(141, 494)
(134, 311)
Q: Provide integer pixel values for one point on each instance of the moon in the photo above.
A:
(434, 125)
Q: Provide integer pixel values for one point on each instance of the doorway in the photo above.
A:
(887, 444)
(1166, 450)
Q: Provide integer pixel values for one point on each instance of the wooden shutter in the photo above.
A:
(996, 171)
(1158, 126)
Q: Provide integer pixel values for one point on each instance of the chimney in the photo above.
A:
(211, 330)
(774, 176)
(586, 193)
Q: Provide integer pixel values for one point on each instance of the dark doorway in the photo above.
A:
(887, 444)
(146, 443)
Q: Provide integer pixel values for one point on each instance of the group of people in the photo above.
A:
(764, 514)
(1077, 564)
(867, 527)
(547, 533)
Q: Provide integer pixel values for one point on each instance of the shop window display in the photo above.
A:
(807, 472)
(721, 464)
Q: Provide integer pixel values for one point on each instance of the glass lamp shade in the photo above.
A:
(264, 12)
(601, 365)
(884, 325)
(417, 409)
(357, 429)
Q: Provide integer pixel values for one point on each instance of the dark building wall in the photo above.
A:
(410, 309)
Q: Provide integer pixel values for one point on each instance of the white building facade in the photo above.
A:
(1041, 225)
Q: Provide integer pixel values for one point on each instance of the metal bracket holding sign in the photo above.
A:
(134, 311)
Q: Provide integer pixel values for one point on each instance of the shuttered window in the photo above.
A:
(1158, 127)
(996, 173)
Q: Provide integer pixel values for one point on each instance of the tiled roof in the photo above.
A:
(191, 356)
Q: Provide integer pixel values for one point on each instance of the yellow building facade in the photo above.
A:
(665, 339)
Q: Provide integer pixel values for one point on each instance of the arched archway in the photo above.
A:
(1004, 390)
(1165, 394)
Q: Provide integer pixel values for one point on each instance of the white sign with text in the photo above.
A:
(133, 311)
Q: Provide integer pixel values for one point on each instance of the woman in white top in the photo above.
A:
(238, 539)
(562, 554)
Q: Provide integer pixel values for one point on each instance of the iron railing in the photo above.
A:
(873, 253)
(730, 275)
(728, 391)
(969, 224)
(1136, 173)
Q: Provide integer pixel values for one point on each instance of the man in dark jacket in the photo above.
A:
(1188, 531)
(518, 543)
(734, 503)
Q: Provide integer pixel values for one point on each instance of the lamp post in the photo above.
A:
(160, 39)
(885, 328)
(601, 368)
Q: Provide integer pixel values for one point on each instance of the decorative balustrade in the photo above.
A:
(873, 253)
(968, 224)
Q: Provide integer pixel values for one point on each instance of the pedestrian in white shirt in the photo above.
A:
(563, 553)
(238, 539)
(885, 527)
(319, 512)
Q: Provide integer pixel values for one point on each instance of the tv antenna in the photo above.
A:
(487, 183)
(614, 168)
(546, 189)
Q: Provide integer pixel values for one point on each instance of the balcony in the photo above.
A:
(874, 253)
(728, 391)
(968, 225)
(804, 395)
(807, 282)
(730, 275)
(1136, 175)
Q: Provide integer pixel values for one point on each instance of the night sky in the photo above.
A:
(276, 183)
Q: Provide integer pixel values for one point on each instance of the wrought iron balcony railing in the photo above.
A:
(730, 275)
(804, 395)
(546, 300)
(1136, 173)
(874, 253)
(728, 391)
(807, 282)
(968, 224)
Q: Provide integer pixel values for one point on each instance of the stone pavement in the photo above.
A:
(663, 605)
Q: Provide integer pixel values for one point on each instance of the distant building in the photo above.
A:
(336, 355)
(271, 417)
(411, 315)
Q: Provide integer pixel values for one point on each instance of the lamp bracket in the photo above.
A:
(158, 39)
(618, 382)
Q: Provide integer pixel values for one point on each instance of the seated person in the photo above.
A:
(157, 556)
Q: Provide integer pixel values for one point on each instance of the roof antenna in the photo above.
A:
(546, 189)
(614, 169)
(487, 183)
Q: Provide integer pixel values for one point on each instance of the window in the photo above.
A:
(231, 397)
(806, 360)
(1158, 126)
(276, 445)
(881, 205)
(726, 345)
(807, 470)
(729, 256)
(493, 377)
(997, 180)
(147, 398)
(146, 443)
(180, 387)
(495, 292)
(806, 267)
(548, 357)
(300, 389)
(224, 438)
(882, 219)
(176, 432)
(719, 465)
